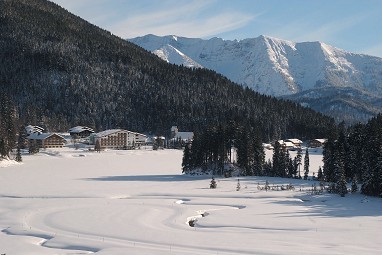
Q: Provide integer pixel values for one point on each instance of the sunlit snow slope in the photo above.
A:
(283, 68)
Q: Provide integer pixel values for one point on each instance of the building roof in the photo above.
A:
(112, 131)
(288, 144)
(33, 129)
(294, 140)
(42, 136)
(79, 129)
(108, 132)
(320, 140)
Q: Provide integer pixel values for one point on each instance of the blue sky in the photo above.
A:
(352, 25)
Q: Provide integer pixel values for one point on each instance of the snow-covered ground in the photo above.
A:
(137, 202)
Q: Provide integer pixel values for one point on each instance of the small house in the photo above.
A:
(316, 143)
(285, 144)
(296, 142)
(80, 132)
(46, 140)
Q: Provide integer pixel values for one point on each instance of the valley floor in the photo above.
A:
(138, 202)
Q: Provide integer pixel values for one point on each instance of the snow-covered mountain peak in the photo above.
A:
(274, 66)
(172, 55)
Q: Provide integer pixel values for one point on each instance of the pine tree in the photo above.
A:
(186, 162)
(329, 159)
(354, 184)
(306, 164)
(213, 183)
(298, 161)
(341, 183)
(320, 175)
(238, 186)
(18, 154)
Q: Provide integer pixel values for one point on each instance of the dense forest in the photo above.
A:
(355, 154)
(61, 71)
(351, 155)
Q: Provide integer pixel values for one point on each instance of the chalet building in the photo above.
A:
(296, 142)
(316, 143)
(80, 132)
(46, 140)
(119, 139)
(285, 144)
(33, 129)
(184, 136)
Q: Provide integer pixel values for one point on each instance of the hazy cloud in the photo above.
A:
(190, 20)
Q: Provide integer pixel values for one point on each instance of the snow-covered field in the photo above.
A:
(138, 202)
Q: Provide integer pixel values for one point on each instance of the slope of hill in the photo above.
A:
(277, 67)
(63, 71)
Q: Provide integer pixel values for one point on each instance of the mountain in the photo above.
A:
(284, 69)
(60, 71)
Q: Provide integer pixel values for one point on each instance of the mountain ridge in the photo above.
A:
(61, 71)
(279, 67)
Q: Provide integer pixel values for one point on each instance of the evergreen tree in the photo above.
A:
(238, 186)
(258, 154)
(277, 159)
(213, 183)
(354, 184)
(306, 164)
(320, 175)
(187, 158)
(18, 154)
(3, 150)
(298, 161)
(341, 183)
(329, 159)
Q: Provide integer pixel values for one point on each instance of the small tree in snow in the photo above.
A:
(306, 164)
(18, 155)
(213, 183)
(238, 185)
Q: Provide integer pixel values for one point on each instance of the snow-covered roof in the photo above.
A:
(33, 129)
(108, 132)
(294, 140)
(288, 144)
(320, 140)
(112, 131)
(79, 129)
(42, 136)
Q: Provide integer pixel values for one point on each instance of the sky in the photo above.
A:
(352, 25)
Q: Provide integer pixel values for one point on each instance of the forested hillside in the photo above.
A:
(61, 71)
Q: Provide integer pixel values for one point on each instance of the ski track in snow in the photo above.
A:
(111, 203)
(38, 224)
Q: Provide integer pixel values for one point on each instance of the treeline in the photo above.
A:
(351, 155)
(355, 154)
(62, 71)
(219, 146)
(8, 125)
